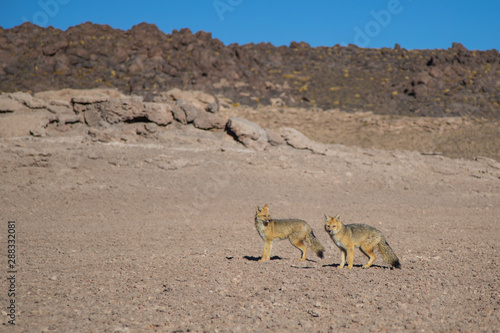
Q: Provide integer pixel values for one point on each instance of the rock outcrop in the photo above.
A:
(248, 133)
(147, 62)
(102, 112)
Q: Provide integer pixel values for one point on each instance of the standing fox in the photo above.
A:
(367, 238)
(297, 231)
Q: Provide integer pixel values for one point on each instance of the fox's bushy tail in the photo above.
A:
(314, 244)
(388, 254)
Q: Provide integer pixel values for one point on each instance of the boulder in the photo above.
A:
(248, 133)
(51, 48)
(208, 121)
(24, 123)
(159, 113)
(97, 108)
(190, 110)
(8, 105)
(90, 99)
(298, 140)
(179, 115)
(275, 139)
(92, 117)
(66, 118)
(66, 95)
(197, 98)
(123, 109)
(28, 100)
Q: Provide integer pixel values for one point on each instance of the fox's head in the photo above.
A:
(263, 213)
(333, 224)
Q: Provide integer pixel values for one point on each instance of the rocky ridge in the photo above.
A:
(145, 61)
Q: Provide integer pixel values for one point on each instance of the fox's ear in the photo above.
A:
(327, 218)
(266, 206)
(337, 218)
(259, 209)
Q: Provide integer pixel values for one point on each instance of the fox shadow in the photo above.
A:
(252, 258)
(356, 265)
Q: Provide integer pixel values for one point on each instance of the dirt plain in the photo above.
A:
(157, 233)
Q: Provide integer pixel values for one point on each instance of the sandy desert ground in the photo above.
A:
(157, 234)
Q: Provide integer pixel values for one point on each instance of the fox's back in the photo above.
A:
(363, 232)
(288, 221)
(286, 227)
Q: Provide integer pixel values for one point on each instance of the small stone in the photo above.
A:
(151, 127)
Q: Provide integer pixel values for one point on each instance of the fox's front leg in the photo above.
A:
(267, 251)
(350, 257)
(342, 258)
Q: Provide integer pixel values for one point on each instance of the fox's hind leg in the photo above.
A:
(368, 251)
(301, 246)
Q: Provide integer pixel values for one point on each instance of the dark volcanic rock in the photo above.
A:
(145, 61)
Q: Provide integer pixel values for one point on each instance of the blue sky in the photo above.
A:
(414, 24)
